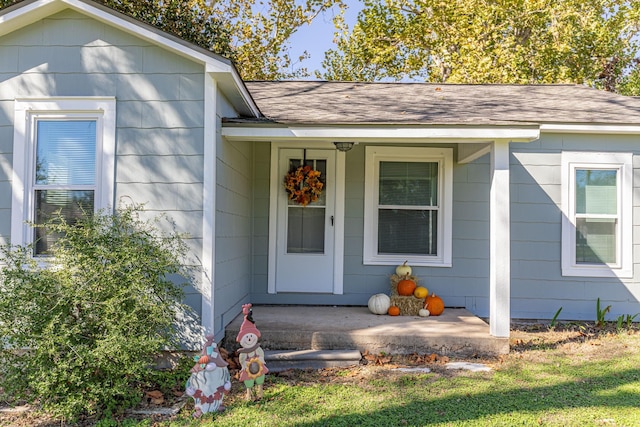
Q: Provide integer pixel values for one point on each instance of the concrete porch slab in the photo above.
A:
(455, 332)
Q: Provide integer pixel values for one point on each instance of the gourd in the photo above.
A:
(379, 303)
(394, 311)
(434, 304)
(423, 312)
(406, 286)
(403, 270)
(421, 292)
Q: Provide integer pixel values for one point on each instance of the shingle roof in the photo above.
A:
(319, 102)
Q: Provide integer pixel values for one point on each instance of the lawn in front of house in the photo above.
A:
(566, 378)
(570, 376)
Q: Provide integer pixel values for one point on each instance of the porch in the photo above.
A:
(456, 332)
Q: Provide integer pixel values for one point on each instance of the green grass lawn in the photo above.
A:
(572, 381)
(566, 377)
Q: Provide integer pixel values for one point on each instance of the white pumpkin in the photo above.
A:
(423, 312)
(379, 303)
(403, 270)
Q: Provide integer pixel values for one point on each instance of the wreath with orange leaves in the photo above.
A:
(303, 185)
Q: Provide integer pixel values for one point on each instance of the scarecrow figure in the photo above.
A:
(209, 380)
(251, 355)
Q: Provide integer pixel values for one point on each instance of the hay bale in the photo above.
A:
(408, 305)
(394, 283)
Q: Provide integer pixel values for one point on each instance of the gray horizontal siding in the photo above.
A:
(159, 111)
(538, 288)
(234, 239)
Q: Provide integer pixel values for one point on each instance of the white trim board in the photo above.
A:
(275, 185)
(371, 133)
(622, 162)
(25, 110)
(374, 155)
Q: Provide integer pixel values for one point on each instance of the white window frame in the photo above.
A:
(444, 157)
(623, 163)
(26, 112)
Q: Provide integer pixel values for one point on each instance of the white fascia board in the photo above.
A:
(23, 14)
(239, 94)
(140, 31)
(376, 133)
(590, 128)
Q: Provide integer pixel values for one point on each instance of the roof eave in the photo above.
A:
(392, 132)
(592, 128)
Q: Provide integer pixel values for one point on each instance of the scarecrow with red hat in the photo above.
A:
(251, 355)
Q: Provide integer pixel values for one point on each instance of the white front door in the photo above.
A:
(305, 235)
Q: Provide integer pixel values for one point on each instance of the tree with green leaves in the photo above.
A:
(254, 34)
(590, 42)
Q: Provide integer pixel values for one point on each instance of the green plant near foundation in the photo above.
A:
(81, 329)
(625, 321)
(601, 313)
(552, 325)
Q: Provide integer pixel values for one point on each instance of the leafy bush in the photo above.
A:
(81, 328)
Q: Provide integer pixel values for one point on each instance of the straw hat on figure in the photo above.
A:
(251, 355)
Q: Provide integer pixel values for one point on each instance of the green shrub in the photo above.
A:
(81, 328)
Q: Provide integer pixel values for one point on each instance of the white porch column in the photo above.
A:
(499, 241)
(209, 204)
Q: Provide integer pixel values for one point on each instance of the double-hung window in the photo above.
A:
(597, 214)
(408, 196)
(63, 164)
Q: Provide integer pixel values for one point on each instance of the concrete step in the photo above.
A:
(281, 360)
(456, 332)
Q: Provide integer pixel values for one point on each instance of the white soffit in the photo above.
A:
(378, 133)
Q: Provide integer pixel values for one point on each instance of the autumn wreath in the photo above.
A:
(304, 185)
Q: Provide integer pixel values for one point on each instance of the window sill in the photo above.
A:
(413, 262)
(597, 271)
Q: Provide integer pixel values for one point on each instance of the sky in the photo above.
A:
(318, 37)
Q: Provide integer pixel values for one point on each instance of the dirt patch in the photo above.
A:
(529, 341)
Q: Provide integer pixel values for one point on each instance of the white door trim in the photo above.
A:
(275, 185)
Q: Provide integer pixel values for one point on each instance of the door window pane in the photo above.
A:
(318, 165)
(305, 230)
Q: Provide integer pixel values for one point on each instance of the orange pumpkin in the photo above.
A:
(434, 304)
(394, 311)
(203, 360)
(406, 286)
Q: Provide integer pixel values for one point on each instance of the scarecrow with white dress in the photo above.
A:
(251, 355)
